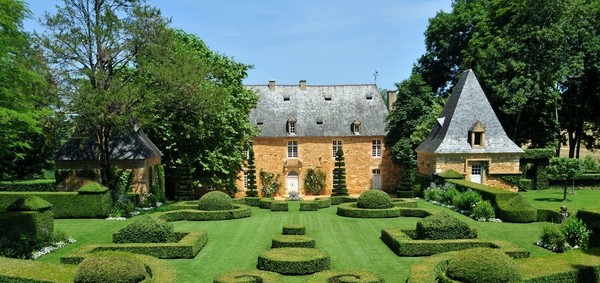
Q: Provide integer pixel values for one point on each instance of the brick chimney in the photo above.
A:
(271, 84)
(392, 96)
(302, 84)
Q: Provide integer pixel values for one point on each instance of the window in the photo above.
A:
(291, 126)
(335, 146)
(245, 180)
(246, 153)
(477, 139)
(376, 148)
(355, 127)
(292, 149)
(477, 135)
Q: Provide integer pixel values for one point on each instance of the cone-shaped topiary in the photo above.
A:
(145, 230)
(117, 267)
(483, 265)
(339, 175)
(251, 175)
(215, 200)
(374, 199)
(29, 203)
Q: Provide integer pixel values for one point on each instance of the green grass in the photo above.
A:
(352, 243)
(553, 199)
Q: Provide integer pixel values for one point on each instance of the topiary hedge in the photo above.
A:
(239, 211)
(118, 267)
(294, 229)
(405, 202)
(591, 219)
(323, 202)
(250, 276)
(309, 206)
(350, 210)
(441, 226)
(145, 230)
(279, 206)
(187, 246)
(66, 204)
(294, 261)
(215, 201)
(293, 241)
(252, 201)
(92, 188)
(347, 276)
(374, 199)
(42, 185)
(483, 265)
(265, 203)
(335, 200)
(548, 215)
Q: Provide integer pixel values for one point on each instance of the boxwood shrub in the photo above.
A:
(355, 276)
(215, 201)
(279, 206)
(404, 202)
(548, 215)
(239, 211)
(252, 201)
(350, 210)
(66, 204)
(249, 276)
(92, 188)
(119, 267)
(294, 229)
(483, 265)
(335, 200)
(516, 209)
(29, 227)
(309, 206)
(42, 185)
(441, 226)
(265, 203)
(323, 202)
(145, 230)
(293, 241)
(374, 199)
(294, 261)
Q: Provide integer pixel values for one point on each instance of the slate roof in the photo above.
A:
(135, 146)
(319, 110)
(466, 106)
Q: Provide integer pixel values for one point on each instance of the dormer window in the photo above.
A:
(477, 135)
(327, 96)
(369, 96)
(291, 126)
(355, 127)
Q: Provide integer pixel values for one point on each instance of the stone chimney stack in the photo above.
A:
(392, 96)
(302, 84)
(271, 84)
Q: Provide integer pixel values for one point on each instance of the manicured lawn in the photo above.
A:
(352, 243)
(553, 199)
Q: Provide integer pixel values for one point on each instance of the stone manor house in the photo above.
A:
(302, 126)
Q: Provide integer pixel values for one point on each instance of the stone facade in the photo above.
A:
(317, 152)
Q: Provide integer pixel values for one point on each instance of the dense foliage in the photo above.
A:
(565, 169)
(269, 183)
(483, 265)
(314, 181)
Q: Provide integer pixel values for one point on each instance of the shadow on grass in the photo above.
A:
(551, 199)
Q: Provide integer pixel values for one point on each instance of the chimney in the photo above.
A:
(302, 84)
(271, 84)
(392, 96)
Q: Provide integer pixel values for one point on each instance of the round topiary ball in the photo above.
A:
(118, 267)
(145, 230)
(374, 199)
(215, 200)
(483, 265)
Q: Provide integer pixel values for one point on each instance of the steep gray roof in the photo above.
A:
(319, 110)
(466, 106)
(135, 146)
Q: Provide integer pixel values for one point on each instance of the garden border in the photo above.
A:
(241, 211)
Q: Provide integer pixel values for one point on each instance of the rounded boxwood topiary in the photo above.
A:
(483, 265)
(215, 200)
(118, 267)
(250, 276)
(145, 230)
(374, 199)
(355, 276)
(92, 188)
(294, 261)
(441, 226)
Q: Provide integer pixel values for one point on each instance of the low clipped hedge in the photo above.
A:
(442, 226)
(249, 276)
(323, 202)
(483, 265)
(265, 203)
(145, 230)
(239, 211)
(354, 276)
(118, 267)
(66, 204)
(187, 246)
(42, 185)
(252, 201)
(293, 241)
(374, 199)
(350, 210)
(309, 206)
(335, 200)
(548, 215)
(405, 243)
(215, 201)
(279, 206)
(294, 261)
(294, 229)
(404, 202)
(22, 232)
(574, 266)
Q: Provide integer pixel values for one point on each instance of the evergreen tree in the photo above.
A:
(339, 175)
(251, 177)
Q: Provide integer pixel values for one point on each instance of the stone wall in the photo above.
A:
(317, 152)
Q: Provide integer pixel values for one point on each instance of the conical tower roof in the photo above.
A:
(467, 110)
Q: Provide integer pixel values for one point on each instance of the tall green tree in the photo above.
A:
(339, 175)
(196, 109)
(93, 45)
(27, 121)
(565, 169)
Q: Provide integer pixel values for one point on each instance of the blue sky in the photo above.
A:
(322, 41)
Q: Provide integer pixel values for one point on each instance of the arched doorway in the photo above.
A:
(292, 182)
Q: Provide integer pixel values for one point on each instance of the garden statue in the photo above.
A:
(564, 214)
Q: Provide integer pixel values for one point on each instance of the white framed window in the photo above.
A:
(292, 149)
(335, 146)
(376, 148)
(291, 126)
